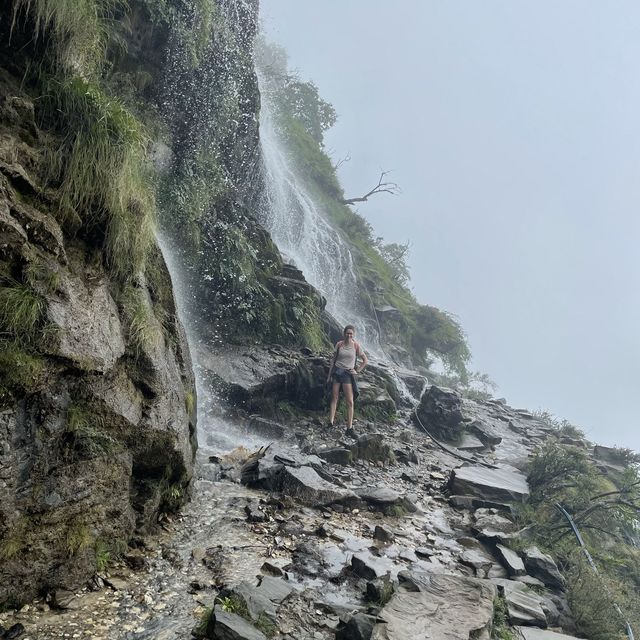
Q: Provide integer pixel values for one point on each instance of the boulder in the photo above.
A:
(373, 447)
(386, 500)
(370, 567)
(355, 627)
(542, 566)
(304, 484)
(229, 626)
(523, 604)
(490, 525)
(511, 561)
(336, 455)
(504, 484)
(440, 411)
(438, 606)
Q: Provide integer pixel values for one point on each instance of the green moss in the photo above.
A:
(21, 371)
(78, 537)
(189, 402)
(85, 435)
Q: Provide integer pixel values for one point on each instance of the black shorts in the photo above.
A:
(342, 376)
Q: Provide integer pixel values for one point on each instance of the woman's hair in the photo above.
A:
(349, 326)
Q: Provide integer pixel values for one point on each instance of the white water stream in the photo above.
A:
(303, 234)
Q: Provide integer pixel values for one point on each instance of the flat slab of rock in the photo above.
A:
(490, 525)
(438, 607)
(511, 560)
(229, 626)
(542, 566)
(370, 567)
(504, 484)
(523, 604)
(470, 443)
(304, 484)
(531, 633)
(276, 589)
(384, 498)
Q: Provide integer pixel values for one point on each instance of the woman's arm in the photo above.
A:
(364, 359)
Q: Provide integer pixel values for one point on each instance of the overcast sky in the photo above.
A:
(513, 129)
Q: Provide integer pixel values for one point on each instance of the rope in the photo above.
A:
(449, 450)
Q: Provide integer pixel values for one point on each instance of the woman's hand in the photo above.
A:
(353, 371)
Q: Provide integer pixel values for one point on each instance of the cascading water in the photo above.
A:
(303, 234)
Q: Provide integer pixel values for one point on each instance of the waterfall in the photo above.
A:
(303, 234)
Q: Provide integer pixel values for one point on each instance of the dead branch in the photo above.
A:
(383, 186)
(342, 161)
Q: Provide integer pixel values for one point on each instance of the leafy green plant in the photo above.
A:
(103, 556)
(234, 604)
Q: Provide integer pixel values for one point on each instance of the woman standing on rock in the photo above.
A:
(342, 371)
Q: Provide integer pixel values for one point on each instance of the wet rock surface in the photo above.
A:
(316, 548)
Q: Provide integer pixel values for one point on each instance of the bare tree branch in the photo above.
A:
(342, 161)
(383, 186)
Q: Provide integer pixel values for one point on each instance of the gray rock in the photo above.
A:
(384, 534)
(440, 411)
(441, 607)
(490, 525)
(372, 446)
(356, 627)
(470, 443)
(480, 560)
(523, 604)
(337, 455)
(530, 633)
(368, 566)
(504, 484)
(308, 487)
(229, 626)
(87, 323)
(256, 601)
(276, 589)
(386, 500)
(472, 503)
(511, 561)
(542, 566)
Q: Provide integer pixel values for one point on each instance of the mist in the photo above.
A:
(512, 129)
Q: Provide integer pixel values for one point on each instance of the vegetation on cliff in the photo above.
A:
(604, 502)
(422, 331)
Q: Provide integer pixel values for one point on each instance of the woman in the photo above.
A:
(343, 367)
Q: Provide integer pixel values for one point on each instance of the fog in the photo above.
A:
(513, 129)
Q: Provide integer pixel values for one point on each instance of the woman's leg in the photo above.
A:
(348, 396)
(335, 393)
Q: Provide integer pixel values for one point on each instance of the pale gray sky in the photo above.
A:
(513, 129)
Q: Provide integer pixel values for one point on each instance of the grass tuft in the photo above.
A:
(77, 30)
(144, 331)
(21, 311)
(101, 166)
(86, 434)
(78, 537)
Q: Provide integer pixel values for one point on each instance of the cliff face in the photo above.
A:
(109, 118)
(97, 396)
